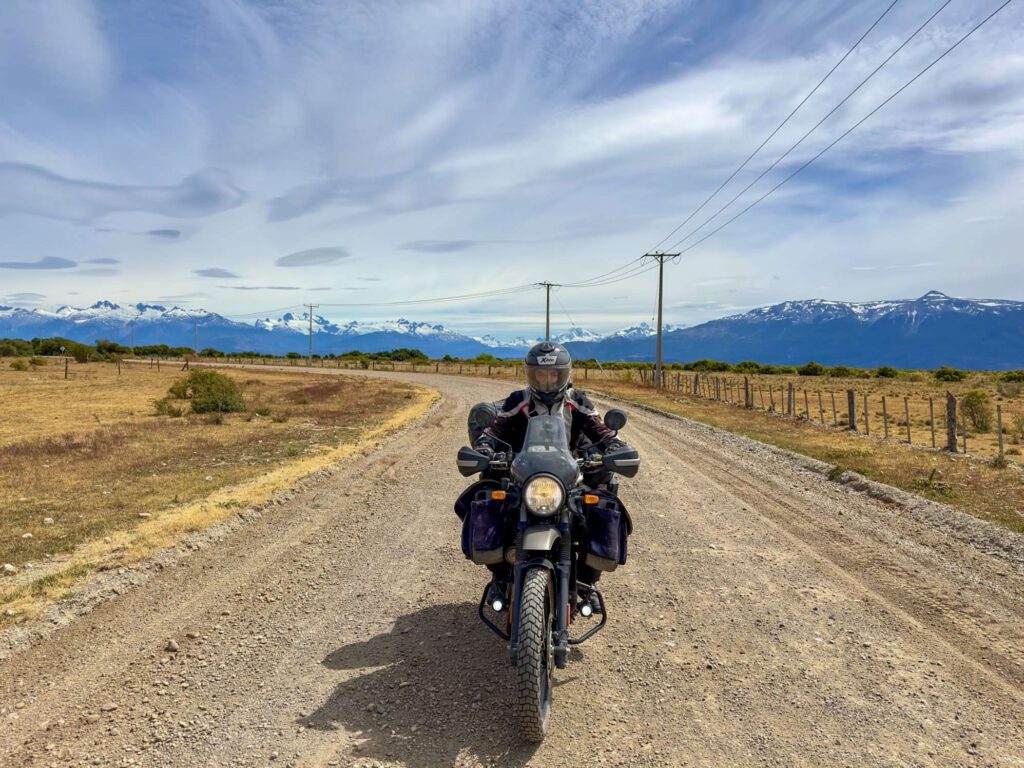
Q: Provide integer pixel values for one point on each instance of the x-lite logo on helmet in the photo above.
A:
(547, 359)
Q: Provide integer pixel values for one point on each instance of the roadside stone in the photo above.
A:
(144, 515)
(171, 646)
(8, 568)
(26, 535)
(108, 707)
(47, 521)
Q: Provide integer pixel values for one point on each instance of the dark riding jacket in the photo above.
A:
(582, 420)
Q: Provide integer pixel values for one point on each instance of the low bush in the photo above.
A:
(945, 373)
(19, 365)
(164, 407)
(811, 369)
(977, 408)
(262, 411)
(209, 392)
(1014, 376)
(841, 371)
(886, 372)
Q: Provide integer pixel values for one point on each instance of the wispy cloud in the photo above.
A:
(261, 287)
(103, 260)
(313, 257)
(47, 262)
(439, 246)
(31, 189)
(214, 272)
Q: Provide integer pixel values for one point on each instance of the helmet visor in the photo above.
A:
(547, 378)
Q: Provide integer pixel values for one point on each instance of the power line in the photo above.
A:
(309, 360)
(779, 127)
(850, 130)
(815, 127)
(439, 299)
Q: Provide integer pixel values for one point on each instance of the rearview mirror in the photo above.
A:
(482, 415)
(615, 419)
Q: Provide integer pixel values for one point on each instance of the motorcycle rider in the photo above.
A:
(550, 392)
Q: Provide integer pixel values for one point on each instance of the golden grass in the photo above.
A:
(973, 486)
(99, 481)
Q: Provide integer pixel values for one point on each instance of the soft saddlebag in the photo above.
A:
(608, 528)
(483, 530)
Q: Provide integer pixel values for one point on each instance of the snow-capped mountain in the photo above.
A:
(927, 332)
(642, 331)
(932, 330)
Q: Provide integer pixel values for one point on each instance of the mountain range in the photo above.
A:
(927, 332)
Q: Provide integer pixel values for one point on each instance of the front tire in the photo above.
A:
(534, 656)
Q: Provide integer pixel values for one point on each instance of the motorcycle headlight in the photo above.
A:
(544, 495)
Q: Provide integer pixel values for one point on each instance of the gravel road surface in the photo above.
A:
(767, 616)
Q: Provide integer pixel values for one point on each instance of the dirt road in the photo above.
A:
(767, 616)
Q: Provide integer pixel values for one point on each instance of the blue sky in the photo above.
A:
(250, 156)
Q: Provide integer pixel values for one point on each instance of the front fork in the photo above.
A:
(561, 570)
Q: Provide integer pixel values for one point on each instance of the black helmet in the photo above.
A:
(548, 368)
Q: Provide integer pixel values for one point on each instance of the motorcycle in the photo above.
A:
(535, 523)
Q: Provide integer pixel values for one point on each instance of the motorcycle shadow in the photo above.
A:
(434, 690)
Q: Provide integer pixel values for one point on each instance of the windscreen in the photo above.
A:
(546, 451)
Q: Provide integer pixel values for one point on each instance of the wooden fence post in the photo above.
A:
(963, 423)
(999, 429)
(851, 406)
(950, 422)
(807, 406)
(835, 414)
(867, 424)
(760, 391)
(821, 409)
(906, 415)
(748, 394)
(931, 417)
(885, 418)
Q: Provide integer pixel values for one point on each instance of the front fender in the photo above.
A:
(540, 538)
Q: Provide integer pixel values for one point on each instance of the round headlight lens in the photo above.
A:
(544, 496)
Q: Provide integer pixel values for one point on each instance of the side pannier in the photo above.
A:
(608, 528)
(483, 530)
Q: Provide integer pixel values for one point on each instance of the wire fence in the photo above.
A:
(890, 410)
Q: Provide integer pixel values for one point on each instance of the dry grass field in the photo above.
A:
(976, 486)
(91, 476)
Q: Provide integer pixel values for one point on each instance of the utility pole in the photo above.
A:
(309, 360)
(547, 312)
(195, 340)
(661, 258)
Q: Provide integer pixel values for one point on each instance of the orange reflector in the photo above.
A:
(591, 499)
(498, 495)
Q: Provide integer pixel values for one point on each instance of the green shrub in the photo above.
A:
(811, 369)
(841, 371)
(1014, 376)
(885, 372)
(19, 365)
(262, 411)
(977, 409)
(945, 373)
(210, 392)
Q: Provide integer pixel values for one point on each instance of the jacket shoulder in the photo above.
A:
(512, 403)
(582, 402)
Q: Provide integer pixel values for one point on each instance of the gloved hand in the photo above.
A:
(614, 446)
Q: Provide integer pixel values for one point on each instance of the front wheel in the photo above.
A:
(533, 657)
